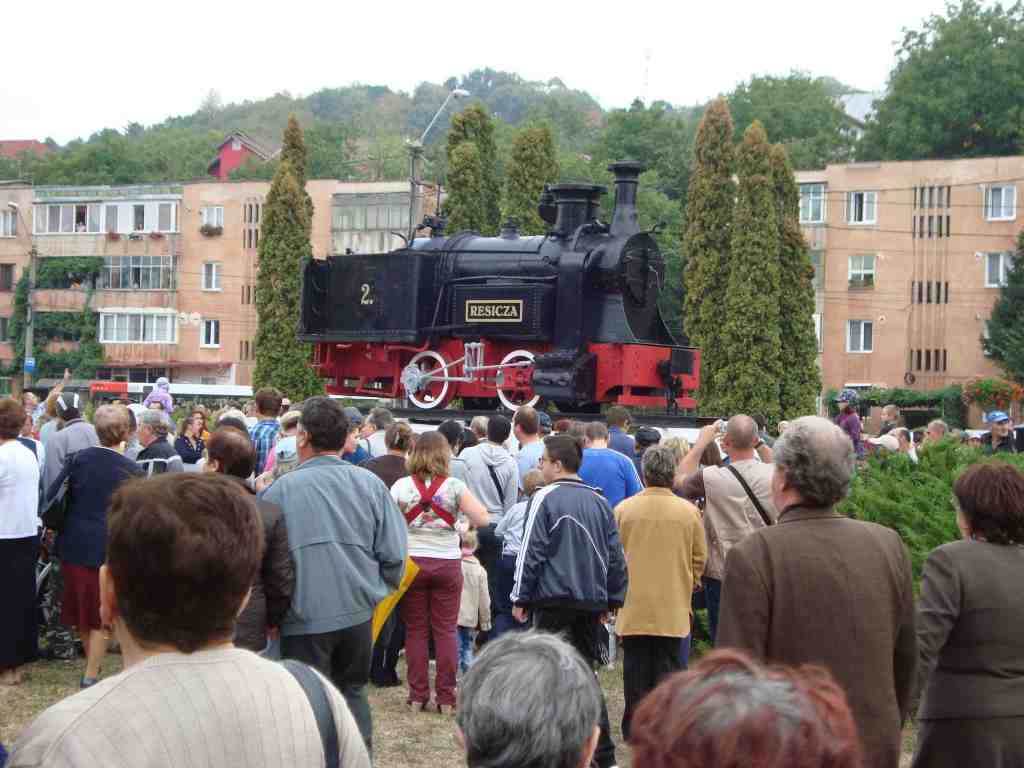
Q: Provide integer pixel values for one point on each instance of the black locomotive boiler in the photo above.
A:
(571, 316)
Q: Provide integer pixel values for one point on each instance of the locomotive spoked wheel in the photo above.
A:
(425, 380)
(513, 386)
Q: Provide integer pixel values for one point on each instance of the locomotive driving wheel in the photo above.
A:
(425, 380)
(514, 381)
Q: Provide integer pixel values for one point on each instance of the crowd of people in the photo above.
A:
(244, 591)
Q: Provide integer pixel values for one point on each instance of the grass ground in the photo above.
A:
(402, 739)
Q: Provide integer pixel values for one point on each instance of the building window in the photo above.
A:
(111, 214)
(996, 267)
(165, 217)
(862, 271)
(859, 336)
(211, 276)
(211, 333)
(137, 328)
(862, 207)
(817, 329)
(8, 223)
(65, 219)
(812, 203)
(138, 273)
(6, 277)
(212, 216)
(236, 145)
(138, 218)
(1001, 203)
(817, 261)
(4, 329)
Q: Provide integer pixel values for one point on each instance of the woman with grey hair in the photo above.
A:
(507, 714)
(819, 587)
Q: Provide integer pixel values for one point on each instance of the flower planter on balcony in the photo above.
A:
(156, 235)
(113, 236)
(211, 230)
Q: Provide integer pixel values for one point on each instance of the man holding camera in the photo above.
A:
(737, 496)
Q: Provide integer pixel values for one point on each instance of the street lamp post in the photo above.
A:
(416, 154)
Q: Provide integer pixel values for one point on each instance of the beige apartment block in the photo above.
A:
(909, 258)
(176, 293)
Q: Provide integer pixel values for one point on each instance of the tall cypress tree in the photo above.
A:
(294, 151)
(284, 246)
(801, 378)
(747, 378)
(1005, 342)
(706, 238)
(464, 207)
(475, 126)
(532, 165)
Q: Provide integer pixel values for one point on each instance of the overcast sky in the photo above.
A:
(74, 68)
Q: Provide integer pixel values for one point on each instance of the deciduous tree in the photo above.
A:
(284, 246)
(955, 89)
(532, 165)
(748, 360)
(1005, 342)
(801, 378)
(706, 239)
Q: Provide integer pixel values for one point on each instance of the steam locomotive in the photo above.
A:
(571, 317)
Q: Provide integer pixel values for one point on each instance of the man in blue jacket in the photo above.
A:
(606, 469)
(571, 570)
(348, 542)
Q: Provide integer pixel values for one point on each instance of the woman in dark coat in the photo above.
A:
(970, 618)
(189, 444)
(95, 473)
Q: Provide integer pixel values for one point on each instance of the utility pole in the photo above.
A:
(30, 313)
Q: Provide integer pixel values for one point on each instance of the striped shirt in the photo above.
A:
(263, 434)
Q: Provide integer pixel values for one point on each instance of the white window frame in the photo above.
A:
(211, 215)
(146, 323)
(861, 324)
(862, 271)
(869, 204)
(8, 223)
(809, 195)
(209, 327)
(818, 328)
(172, 217)
(1007, 211)
(1005, 263)
(211, 269)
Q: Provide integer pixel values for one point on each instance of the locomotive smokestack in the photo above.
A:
(576, 204)
(624, 218)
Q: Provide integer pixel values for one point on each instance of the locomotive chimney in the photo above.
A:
(576, 204)
(624, 218)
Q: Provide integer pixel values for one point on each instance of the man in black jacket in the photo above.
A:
(571, 570)
(157, 455)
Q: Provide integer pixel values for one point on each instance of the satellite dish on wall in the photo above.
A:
(881, 319)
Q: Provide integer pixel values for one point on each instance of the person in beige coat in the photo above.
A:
(820, 588)
(665, 551)
(475, 604)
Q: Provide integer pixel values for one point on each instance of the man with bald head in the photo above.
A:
(737, 497)
(821, 588)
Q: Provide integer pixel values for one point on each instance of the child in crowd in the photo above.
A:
(475, 605)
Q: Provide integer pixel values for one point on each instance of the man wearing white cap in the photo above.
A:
(1002, 433)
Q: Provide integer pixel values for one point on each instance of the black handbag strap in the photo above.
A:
(316, 694)
(497, 485)
(757, 504)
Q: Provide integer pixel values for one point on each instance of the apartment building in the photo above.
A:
(909, 258)
(175, 292)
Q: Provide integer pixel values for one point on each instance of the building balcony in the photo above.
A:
(77, 299)
(135, 244)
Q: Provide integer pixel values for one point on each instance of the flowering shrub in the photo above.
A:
(989, 394)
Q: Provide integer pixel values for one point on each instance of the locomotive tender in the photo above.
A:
(571, 316)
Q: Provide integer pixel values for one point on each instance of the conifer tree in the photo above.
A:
(746, 377)
(294, 151)
(475, 125)
(532, 165)
(706, 239)
(464, 207)
(801, 378)
(281, 361)
(1005, 342)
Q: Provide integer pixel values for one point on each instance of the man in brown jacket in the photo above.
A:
(665, 551)
(820, 588)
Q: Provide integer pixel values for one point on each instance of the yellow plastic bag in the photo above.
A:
(387, 605)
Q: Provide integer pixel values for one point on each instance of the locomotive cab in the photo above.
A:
(571, 316)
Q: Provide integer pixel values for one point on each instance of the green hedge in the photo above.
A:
(915, 500)
(946, 403)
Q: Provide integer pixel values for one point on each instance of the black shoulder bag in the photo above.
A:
(55, 516)
(313, 687)
(497, 485)
(757, 504)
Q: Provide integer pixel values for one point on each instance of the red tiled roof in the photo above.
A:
(14, 147)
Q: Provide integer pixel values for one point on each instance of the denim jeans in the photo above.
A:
(466, 638)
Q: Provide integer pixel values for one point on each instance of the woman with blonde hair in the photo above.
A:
(434, 506)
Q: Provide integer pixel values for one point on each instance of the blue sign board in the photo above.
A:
(30, 364)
